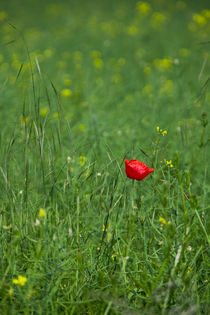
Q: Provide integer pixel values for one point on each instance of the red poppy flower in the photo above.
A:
(136, 169)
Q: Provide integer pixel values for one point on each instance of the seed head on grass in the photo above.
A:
(68, 159)
(11, 291)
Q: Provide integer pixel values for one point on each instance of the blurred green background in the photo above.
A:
(84, 84)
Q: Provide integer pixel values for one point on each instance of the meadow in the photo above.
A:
(85, 85)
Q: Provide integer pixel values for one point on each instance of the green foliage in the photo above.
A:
(82, 87)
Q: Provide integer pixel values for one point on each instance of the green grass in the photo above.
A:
(106, 244)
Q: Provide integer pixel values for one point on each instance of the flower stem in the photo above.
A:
(132, 193)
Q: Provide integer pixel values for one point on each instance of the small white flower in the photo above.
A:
(98, 174)
(178, 256)
(70, 232)
(68, 159)
(176, 61)
(189, 248)
(37, 223)
(20, 192)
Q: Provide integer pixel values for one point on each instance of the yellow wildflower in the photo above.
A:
(147, 89)
(43, 111)
(16, 64)
(167, 88)
(95, 54)
(189, 270)
(163, 221)
(164, 132)
(61, 64)
(28, 295)
(199, 19)
(67, 82)
(163, 64)
(147, 70)
(166, 63)
(82, 160)
(24, 120)
(132, 30)
(77, 56)
(66, 93)
(21, 281)
(3, 15)
(105, 228)
(143, 7)
(169, 163)
(56, 115)
(115, 256)
(109, 237)
(48, 53)
(158, 19)
(129, 98)
(206, 13)
(98, 63)
(117, 78)
(42, 213)
(81, 127)
(184, 52)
